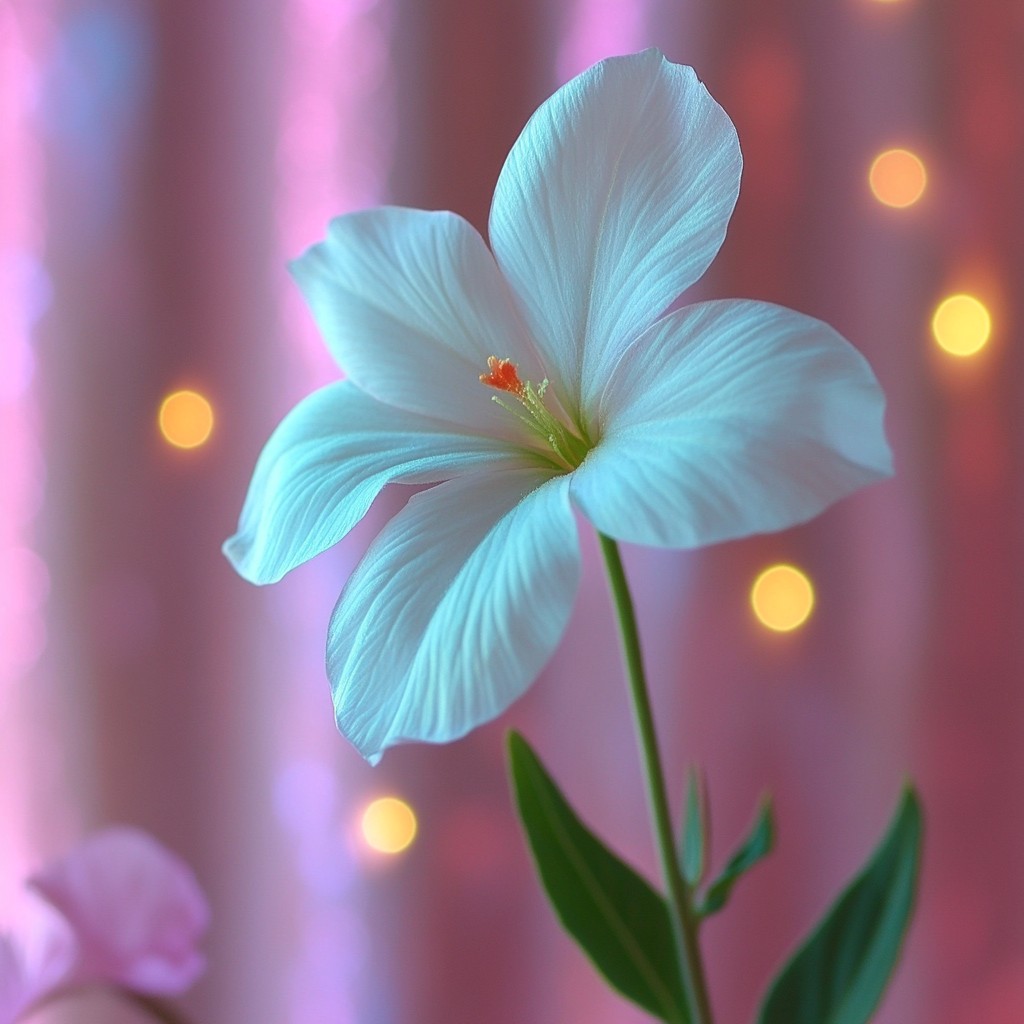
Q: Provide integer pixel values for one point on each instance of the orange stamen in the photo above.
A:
(504, 376)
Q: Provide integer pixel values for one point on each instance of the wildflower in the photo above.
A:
(121, 910)
(538, 380)
(33, 964)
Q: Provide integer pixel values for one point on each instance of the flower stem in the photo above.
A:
(681, 909)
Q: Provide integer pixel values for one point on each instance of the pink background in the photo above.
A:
(159, 161)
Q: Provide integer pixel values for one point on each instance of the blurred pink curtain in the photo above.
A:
(175, 154)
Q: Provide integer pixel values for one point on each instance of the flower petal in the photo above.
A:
(454, 610)
(615, 198)
(324, 465)
(136, 909)
(730, 418)
(38, 960)
(14, 985)
(411, 304)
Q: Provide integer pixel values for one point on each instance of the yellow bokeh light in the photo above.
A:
(782, 598)
(388, 825)
(961, 325)
(186, 419)
(897, 178)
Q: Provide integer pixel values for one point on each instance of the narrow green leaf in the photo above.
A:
(839, 974)
(620, 922)
(696, 830)
(758, 844)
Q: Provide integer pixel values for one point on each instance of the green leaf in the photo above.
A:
(758, 844)
(839, 974)
(696, 830)
(620, 922)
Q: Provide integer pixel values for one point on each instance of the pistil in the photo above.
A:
(569, 448)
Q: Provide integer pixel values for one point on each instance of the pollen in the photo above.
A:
(567, 448)
(504, 376)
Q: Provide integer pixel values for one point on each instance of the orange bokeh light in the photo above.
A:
(782, 598)
(388, 825)
(897, 178)
(185, 419)
(961, 325)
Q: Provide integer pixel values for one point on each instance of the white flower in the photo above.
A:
(719, 420)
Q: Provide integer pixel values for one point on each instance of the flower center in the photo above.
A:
(503, 375)
(569, 448)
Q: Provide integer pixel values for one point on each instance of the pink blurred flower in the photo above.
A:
(128, 912)
(14, 996)
(34, 963)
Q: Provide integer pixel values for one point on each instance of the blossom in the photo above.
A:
(33, 964)
(121, 909)
(537, 377)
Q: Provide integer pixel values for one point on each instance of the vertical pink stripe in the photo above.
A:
(336, 141)
(337, 134)
(602, 28)
(24, 29)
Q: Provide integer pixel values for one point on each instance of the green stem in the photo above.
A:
(682, 912)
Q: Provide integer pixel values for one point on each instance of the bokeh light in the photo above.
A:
(388, 825)
(782, 598)
(961, 324)
(186, 419)
(897, 178)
